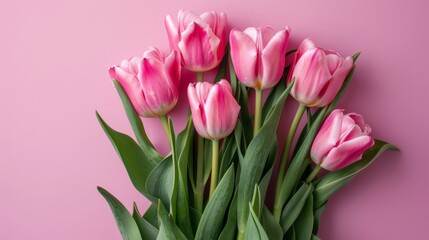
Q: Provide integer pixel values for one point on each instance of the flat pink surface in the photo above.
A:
(54, 57)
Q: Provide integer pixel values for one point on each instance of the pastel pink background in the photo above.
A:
(54, 60)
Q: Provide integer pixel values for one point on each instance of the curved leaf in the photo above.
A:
(228, 232)
(333, 181)
(295, 169)
(211, 221)
(136, 163)
(254, 229)
(304, 223)
(126, 224)
(137, 126)
(294, 206)
(160, 182)
(271, 226)
(255, 159)
(147, 231)
(167, 228)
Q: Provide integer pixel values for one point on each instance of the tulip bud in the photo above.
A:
(258, 55)
(200, 40)
(341, 141)
(151, 82)
(318, 74)
(214, 109)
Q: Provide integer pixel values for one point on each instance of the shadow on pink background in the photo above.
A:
(54, 57)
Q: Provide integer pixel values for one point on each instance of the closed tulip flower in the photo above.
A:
(151, 82)
(258, 55)
(214, 109)
(200, 40)
(318, 73)
(341, 141)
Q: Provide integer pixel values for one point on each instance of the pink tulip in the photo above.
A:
(214, 109)
(151, 82)
(341, 140)
(318, 73)
(258, 55)
(200, 40)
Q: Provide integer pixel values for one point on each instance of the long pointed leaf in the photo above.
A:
(137, 126)
(136, 163)
(211, 222)
(294, 206)
(255, 159)
(126, 224)
(334, 181)
(147, 231)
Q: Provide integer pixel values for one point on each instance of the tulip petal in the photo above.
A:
(273, 57)
(335, 83)
(186, 17)
(157, 90)
(328, 136)
(197, 109)
(244, 56)
(132, 88)
(311, 75)
(347, 153)
(221, 111)
(306, 45)
(358, 119)
(172, 32)
(172, 69)
(198, 48)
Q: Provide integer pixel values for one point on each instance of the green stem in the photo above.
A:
(285, 155)
(215, 166)
(258, 112)
(199, 76)
(164, 122)
(199, 184)
(240, 235)
(313, 174)
(199, 188)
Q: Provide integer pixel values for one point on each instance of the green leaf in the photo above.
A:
(290, 235)
(257, 202)
(184, 147)
(211, 221)
(274, 95)
(160, 182)
(195, 218)
(295, 169)
(333, 181)
(207, 161)
(167, 228)
(254, 229)
(228, 232)
(126, 224)
(227, 154)
(304, 223)
(265, 181)
(294, 206)
(356, 56)
(255, 159)
(221, 72)
(136, 163)
(136, 124)
(271, 226)
(317, 214)
(233, 78)
(147, 231)
(151, 215)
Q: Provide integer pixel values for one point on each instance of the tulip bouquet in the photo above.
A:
(214, 182)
